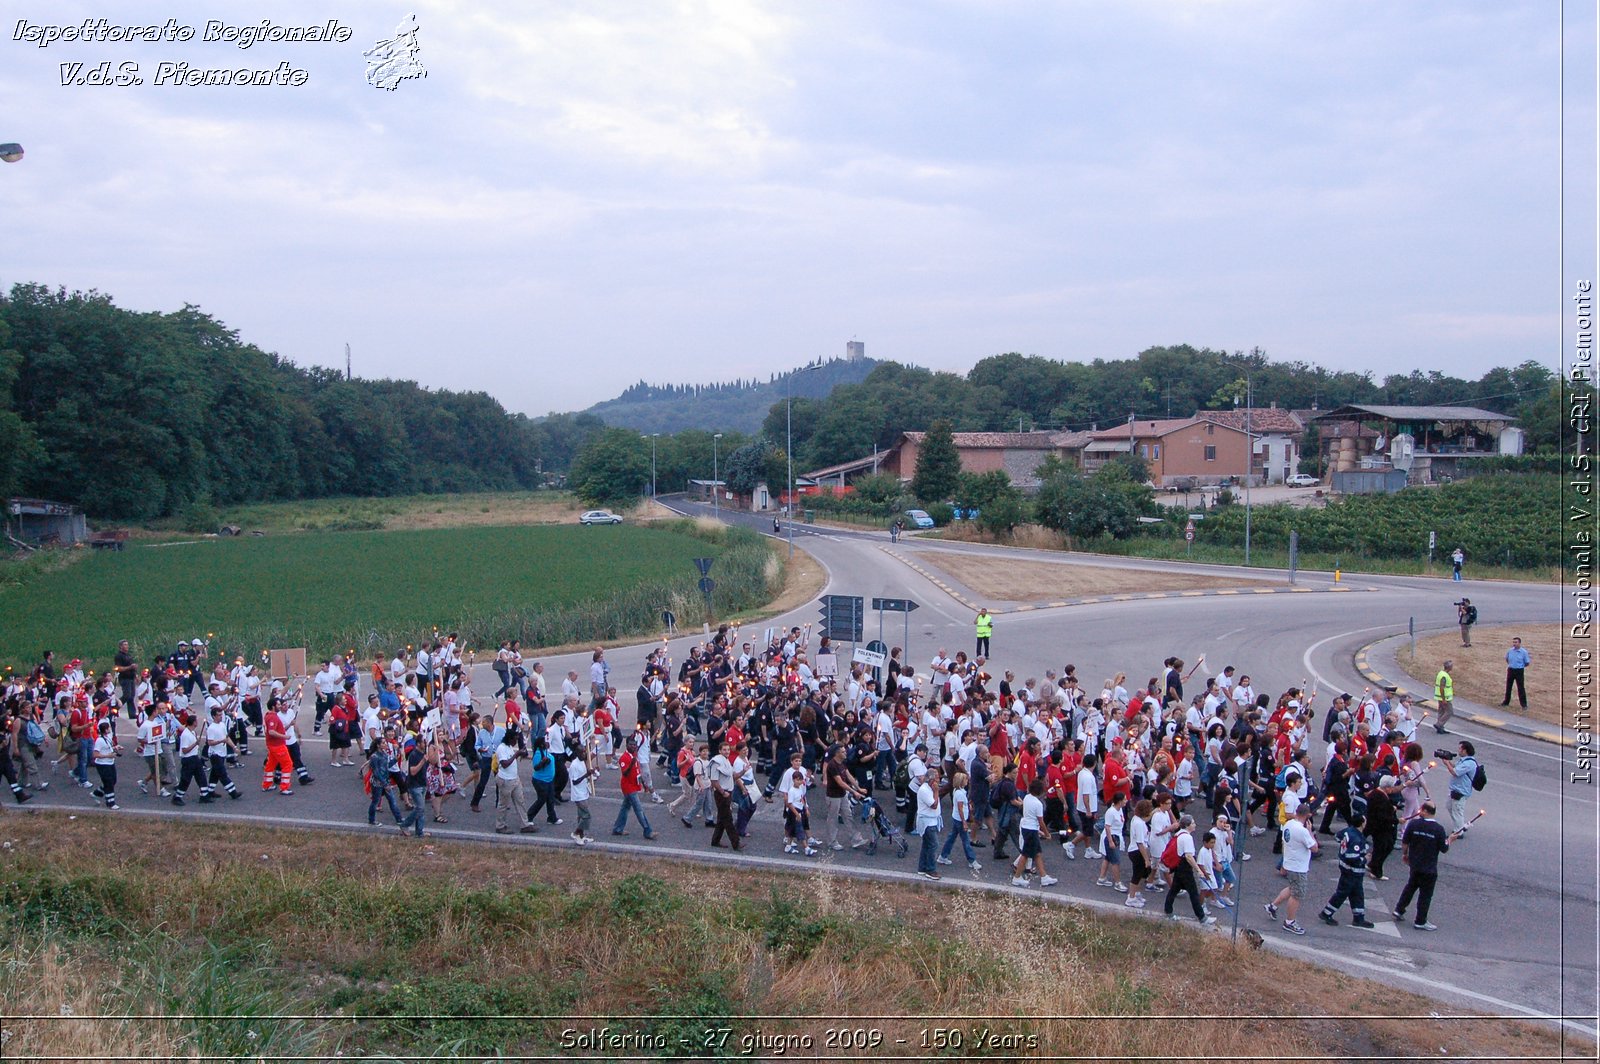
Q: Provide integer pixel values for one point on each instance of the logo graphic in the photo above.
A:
(395, 60)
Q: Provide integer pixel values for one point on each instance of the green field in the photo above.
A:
(374, 591)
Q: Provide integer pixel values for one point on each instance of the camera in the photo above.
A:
(1459, 602)
(1443, 755)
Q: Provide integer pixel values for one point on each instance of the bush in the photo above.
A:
(941, 512)
(200, 516)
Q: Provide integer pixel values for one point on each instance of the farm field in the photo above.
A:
(371, 591)
(393, 513)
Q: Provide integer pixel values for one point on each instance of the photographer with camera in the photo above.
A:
(1466, 776)
(1466, 617)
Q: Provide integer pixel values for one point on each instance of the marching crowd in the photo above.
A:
(1155, 786)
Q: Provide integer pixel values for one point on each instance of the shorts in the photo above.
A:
(1030, 842)
(1297, 884)
(1113, 855)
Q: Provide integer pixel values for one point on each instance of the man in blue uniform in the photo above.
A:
(1353, 849)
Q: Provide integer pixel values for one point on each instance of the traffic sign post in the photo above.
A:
(1188, 537)
(669, 619)
(842, 616)
(901, 606)
(707, 586)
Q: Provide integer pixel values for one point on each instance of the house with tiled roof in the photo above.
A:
(1276, 433)
(1018, 454)
(1198, 450)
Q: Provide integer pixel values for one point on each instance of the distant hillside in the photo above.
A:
(736, 406)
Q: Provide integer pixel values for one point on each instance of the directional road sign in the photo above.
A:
(894, 605)
(842, 616)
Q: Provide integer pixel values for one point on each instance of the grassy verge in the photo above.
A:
(377, 513)
(385, 947)
(376, 592)
(1480, 670)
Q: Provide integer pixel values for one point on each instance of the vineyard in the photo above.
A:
(1508, 521)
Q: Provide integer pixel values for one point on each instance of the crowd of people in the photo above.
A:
(1155, 786)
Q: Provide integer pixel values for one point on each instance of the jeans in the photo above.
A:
(1458, 811)
(419, 804)
(85, 755)
(959, 831)
(838, 809)
(884, 769)
(930, 849)
(544, 797)
(630, 803)
(378, 795)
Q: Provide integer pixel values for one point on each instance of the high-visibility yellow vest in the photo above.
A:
(985, 625)
(1444, 687)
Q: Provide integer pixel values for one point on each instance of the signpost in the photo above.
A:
(900, 606)
(669, 619)
(1188, 536)
(874, 654)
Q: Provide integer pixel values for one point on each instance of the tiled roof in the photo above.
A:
(1027, 441)
(1270, 419)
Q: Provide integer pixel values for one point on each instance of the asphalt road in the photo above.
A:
(1516, 903)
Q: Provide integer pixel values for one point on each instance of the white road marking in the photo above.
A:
(1225, 635)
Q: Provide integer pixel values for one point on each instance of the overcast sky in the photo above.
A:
(579, 195)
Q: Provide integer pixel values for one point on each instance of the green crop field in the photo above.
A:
(374, 591)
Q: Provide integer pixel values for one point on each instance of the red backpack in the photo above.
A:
(1169, 856)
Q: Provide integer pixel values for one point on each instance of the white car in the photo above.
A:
(599, 517)
(1302, 480)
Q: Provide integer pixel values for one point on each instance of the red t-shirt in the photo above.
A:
(1027, 767)
(1055, 782)
(1116, 779)
(630, 773)
(274, 723)
(1070, 764)
(999, 741)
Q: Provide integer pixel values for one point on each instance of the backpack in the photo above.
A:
(1472, 618)
(1169, 856)
(34, 735)
(1480, 778)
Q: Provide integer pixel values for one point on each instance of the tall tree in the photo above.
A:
(938, 464)
(613, 468)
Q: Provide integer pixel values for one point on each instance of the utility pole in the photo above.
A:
(716, 481)
(346, 361)
(652, 439)
(1249, 451)
(789, 454)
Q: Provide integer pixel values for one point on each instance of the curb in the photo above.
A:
(1372, 676)
(1092, 600)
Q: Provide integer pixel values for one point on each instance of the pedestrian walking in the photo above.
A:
(1353, 851)
(1517, 661)
(1184, 871)
(1463, 767)
(508, 785)
(928, 822)
(631, 789)
(1420, 847)
(1299, 843)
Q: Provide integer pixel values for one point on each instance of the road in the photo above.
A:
(1516, 904)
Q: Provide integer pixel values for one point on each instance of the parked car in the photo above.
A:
(919, 519)
(599, 517)
(1302, 480)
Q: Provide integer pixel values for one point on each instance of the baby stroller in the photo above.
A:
(882, 828)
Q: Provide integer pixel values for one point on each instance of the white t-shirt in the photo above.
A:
(1298, 842)
(1206, 858)
(1185, 845)
(1113, 831)
(508, 767)
(105, 751)
(927, 807)
(150, 733)
(578, 776)
(217, 738)
(1088, 791)
(1032, 813)
(1138, 834)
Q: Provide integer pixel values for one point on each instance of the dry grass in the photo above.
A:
(1011, 580)
(1480, 670)
(811, 947)
(518, 508)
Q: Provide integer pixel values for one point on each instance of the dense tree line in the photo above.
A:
(1014, 392)
(135, 415)
(736, 406)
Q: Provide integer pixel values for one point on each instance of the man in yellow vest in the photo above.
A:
(1444, 692)
(985, 627)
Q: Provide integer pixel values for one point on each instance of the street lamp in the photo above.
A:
(1249, 452)
(652, 439)
(789, 454)
(716, 481)
(10, 152)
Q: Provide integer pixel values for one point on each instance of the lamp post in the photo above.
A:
(1249, 453)
(789, 454)
(716, 481)
(652, 439)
